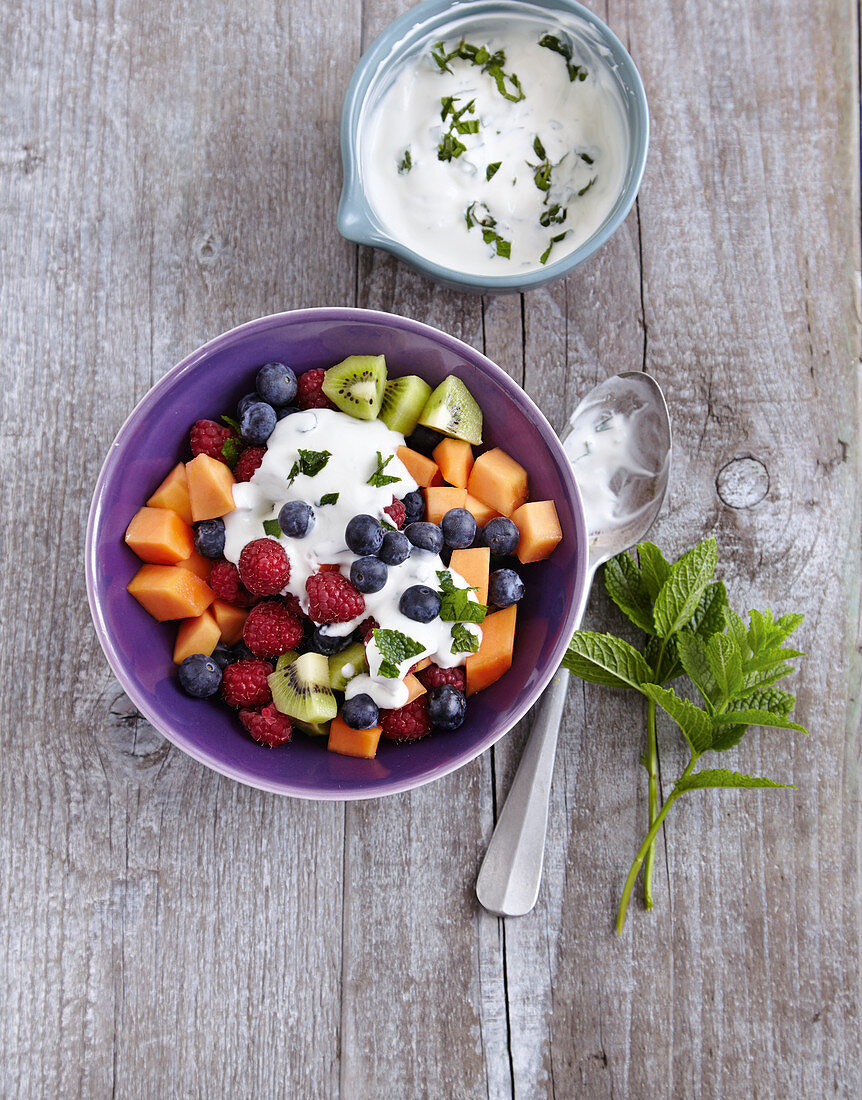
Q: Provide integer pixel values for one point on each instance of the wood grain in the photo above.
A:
(169, 171)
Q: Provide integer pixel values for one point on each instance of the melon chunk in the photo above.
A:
(169, 592)
(200, 635)
(424, 471)
(498, 481)
(540, 529)
(230, 620)
(173, 493)
(197, 563)
(494, 657)
(414, 686)
(210, 488)
(455, 459)
(350, 742)
(439, 499)
(481, 513)
(473, 565)
(159, 536)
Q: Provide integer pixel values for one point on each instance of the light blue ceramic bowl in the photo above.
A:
(429, 22)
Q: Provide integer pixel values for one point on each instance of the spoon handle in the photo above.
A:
(508, 882)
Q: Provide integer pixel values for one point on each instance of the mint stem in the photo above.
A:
(652, 777)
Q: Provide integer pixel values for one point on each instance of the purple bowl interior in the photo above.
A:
(209, 383)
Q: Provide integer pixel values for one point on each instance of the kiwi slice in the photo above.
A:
(313, 729)
(356, 385)
(452, 410)
(345, 665)
(403, 401)
(300, 688)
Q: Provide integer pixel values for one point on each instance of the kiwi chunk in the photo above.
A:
(345, 665)
(300, 688)
(452, 410)
(313, 729)
(356, 385)
(403, 400)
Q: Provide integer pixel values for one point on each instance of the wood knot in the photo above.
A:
(742, 482)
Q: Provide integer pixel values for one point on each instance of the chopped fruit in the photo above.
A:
(446, 707)
(459, 528)
(197, 563)
(360, 712)
(494, 657)
(169, 592)
(540, 530)
(415, 687)
(269, 726)
(424, 471)
(414, 506)
(433, 676)
(200, 675)
(425, 536)
(482, 513)
(159, 536)
(351, 742)
(333, 599)
(356, 385)
(248, 463)
(310, 393)
(455, 459)
(272, 629)
(209, 537)
(264, 567)
(366, 627)
(210, 488)
(452, 410)
(343, 666)
(224, 581)
(230, 619)
(473, 564)
(173, 493)
(424, 663)
(199, 635)
(408, 723)
(440, 499)
(396, 512)
(499, 481)
(505, 587)
(403, 400)
(209, 438)
(501, 536)
(244, 684)
(301, 689)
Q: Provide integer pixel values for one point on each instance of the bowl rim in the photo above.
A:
(227, 339)
(357, 222)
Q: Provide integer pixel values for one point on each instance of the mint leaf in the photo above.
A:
(328, 498)
(662, 657)
(231, 450)
(693, 658)
(758, 718)
(272, 527)
(719, 777)
(395, 648)
(736, 629)
(725, 663)
(378, 479)
(605, 659)
(309, 463)
(710, 616)
(626, 588)
(492, 169)
(456, 605)
(774, 700)
(682, 591)
(231, 423)
(406, 163)
(463, 640)
(654, 567)
(694, 722)
(727, 737)
(757, 681)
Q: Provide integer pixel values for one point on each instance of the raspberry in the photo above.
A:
(309, 394)
(407, 724)
(224, 581)
(272, 629)
(244, 684)
(396, 512)
(264, 567)
(333, 599)
(208, 438)
(366, 627)
(433, 676)
(269, 726)
(248, 462)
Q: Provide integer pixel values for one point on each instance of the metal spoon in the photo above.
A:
(622, 496)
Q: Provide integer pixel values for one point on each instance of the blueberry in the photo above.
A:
(364, 535)
(241, 652)
(426, 536)
(505, 587)
(200, 676)
(446, 707)
(244, 402)
(209, 538)
(288, 410)
(257, 422)
(423, 439)
(328, 644)
(360, 712)
(223, 655)
(414, 503)
(296, 519)
(502, 536)
(395, 548)
(276, 384)
(459, 528)
(420, 603)
(368, 574)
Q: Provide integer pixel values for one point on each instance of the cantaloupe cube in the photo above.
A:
(230, 620)
(494, 657)
(473, 565)
(498, 481)
(168, 592)
(197, 563)
(424, 663)
(210, 488)
(414, 686)
(540, 529)
(439, 499)
(455, 459)
(350, 742)
(482, 513)
(173, 493)
(158, 535)
(424, 471)
(200, 635)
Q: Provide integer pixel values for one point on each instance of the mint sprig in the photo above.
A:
(456, 605)
(463, 640)
(690, 629)
(272, 528)
(378, 479)
(309, 463)
(395, 648)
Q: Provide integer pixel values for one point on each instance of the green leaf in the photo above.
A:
(710, 616)
(231, 423)
(655, 568)
(736, 630)
(693, 658)
(492, 169)
(719, 777)
(605, 659)
(774, 700)
(725, 663)
(231, 450)
(272, 527)
(757, 681)
(758, 718)
(682, 591)
(378, 479)
(626, 588)
(662, 656)
(329, 498)
(463, 640)
(727, 737)
(395, 648)
(456, 605)
(309, 463)
(694, 722)
(768, 657)
(406, 163)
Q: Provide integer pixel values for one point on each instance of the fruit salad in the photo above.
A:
(341, 556)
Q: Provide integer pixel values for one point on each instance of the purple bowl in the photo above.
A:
(210, 381)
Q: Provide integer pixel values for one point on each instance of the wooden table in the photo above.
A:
(170, 170)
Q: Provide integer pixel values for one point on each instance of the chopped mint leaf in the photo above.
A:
(544, 257)
(309, 463)
(231, 450)
(406, 163)
(584, 190)
(471, 126)
(586, 158)
(554, 215)
(473, 218)
(504, 248)
(231, 423)
(542, 177)
(551, 42)
(328, 498)
(272, 527)
(450, 148)
(395, 648)
(463, 640)
(456, 605)
(387, 526)
(378, 479)
(491, 63)
(492, 169)
(539, 149)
